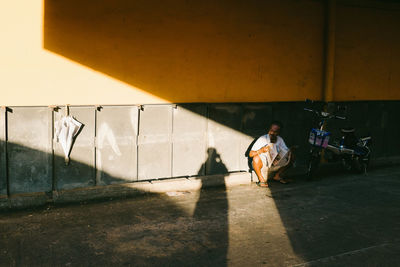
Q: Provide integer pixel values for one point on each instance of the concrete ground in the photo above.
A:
(340, 220)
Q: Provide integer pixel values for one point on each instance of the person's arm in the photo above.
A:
(283, 144)
(254, 153)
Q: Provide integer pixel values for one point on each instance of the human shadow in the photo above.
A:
(154, 230)
(206, 233)
(210, 217)
(157, 230)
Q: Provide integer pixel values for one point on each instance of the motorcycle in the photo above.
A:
(353, 152)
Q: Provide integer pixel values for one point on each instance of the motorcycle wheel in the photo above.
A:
(313, 163)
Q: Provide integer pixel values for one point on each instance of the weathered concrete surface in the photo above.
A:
(20, 201)
(123, 190)
(119, 144)
(224, 139)
(189, 140)
(3, 153)
(154, 142)
(340, 220)
(79, 172)
(159, 186)
(116, 144)
(29, 158)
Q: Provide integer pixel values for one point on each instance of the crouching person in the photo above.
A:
(271, 155)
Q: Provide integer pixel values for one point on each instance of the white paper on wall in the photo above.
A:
(67, 129)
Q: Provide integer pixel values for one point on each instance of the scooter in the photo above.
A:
(354, 153)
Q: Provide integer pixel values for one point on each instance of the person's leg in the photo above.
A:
(279, 173)
(257, 166)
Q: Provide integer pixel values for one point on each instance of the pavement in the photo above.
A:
(341, 219)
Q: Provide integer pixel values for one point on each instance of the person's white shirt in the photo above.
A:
(275, 148)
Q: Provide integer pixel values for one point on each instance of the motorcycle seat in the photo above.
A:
(348, 130)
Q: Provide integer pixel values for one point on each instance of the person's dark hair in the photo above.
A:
(278, 123)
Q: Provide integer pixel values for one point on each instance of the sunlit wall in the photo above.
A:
(127, 52)
(142, 52)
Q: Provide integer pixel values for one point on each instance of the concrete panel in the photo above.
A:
(224, 138)
(189, 140)
(286, 114)
(297, 124)
(81, 170)
(116, 148)
(3, 155)
(378, 114)
(29, 149)
(367, 118)
(255, 120)
(392, 129)
(154, 142)
(300, 134)
(355, 114)
(246, 142)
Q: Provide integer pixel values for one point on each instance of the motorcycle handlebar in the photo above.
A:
(324, 114)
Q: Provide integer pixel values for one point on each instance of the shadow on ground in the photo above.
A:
(124, 232)
(342, 218)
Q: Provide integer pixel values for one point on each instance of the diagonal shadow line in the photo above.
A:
(144, 68)
(165, 57)
(179, 50)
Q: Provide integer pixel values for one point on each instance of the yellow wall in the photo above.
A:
(32, 75)
(125, 51)
(157, 51)
(367, 64)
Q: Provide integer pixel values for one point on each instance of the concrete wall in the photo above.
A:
(122, 144)
(250, 61)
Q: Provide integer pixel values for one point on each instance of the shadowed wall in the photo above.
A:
(147, 52)
(367, 64)
(195, 51)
